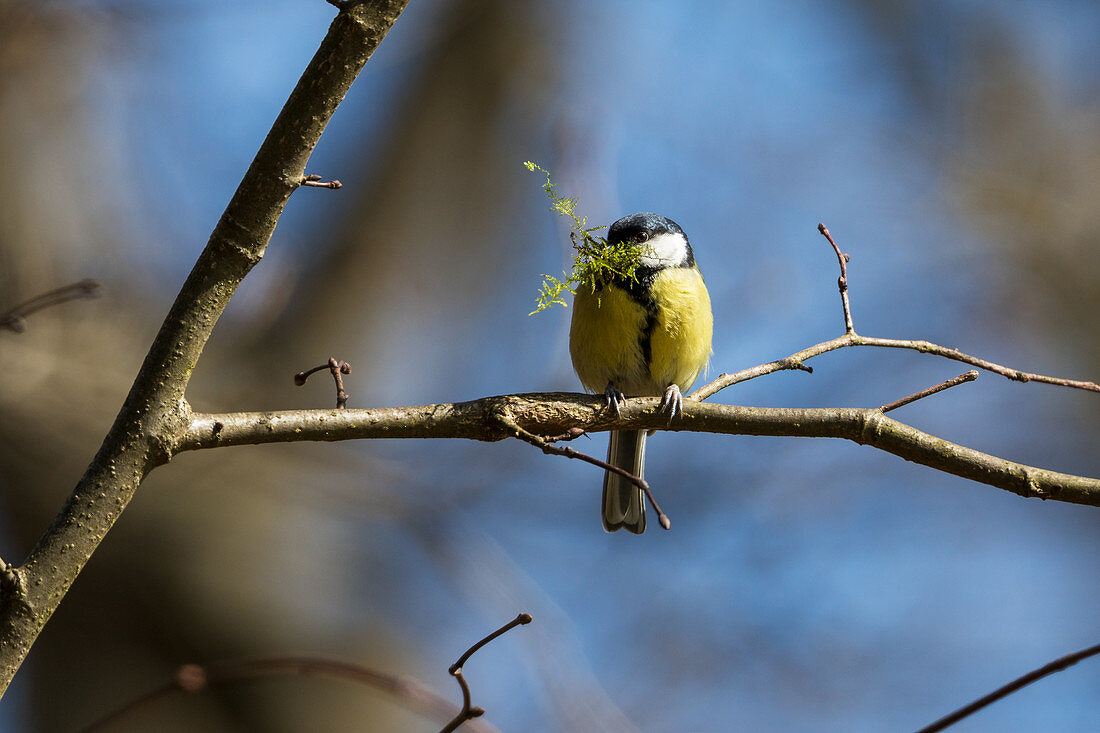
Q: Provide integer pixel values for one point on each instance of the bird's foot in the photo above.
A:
(672, 402)
(615, 399)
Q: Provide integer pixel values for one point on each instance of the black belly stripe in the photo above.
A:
(645, 340)
(640, 291)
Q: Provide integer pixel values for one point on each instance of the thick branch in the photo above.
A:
(553, 413)
(155, 409)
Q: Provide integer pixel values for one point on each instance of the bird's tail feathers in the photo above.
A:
(623, 503)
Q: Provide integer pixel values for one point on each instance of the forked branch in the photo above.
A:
(468, 711)
(338, 370)
(156, 411)
(798, 359)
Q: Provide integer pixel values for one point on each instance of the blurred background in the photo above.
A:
(953, 148)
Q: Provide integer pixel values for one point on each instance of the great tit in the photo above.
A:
(646, 336)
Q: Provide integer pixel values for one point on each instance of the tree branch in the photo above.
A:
(842, 281)
(193, 679)
(548, 447)
(554, 413)
(851, 338)
(797, 359)
(468, 712)
(15, 318)
(1033, 676)
(969, 376)
(338, 369)
(155, 409)
(313, 180)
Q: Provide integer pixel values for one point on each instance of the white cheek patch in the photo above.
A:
(667, 249)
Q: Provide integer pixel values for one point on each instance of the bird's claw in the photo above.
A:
(672, 403)
(615, 398)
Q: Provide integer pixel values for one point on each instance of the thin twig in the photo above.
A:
(792, 362)
(1047, 669)
(546, 445)
(468, 712)
(969, 376)
(851, 338)
(313, 180)
(14, 319)
(842, 281)
(795, 361)
(193, 679)
(568, 435)
(337, 368)
(339, 4)
(927, 347)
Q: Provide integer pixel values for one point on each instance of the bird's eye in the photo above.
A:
(642, 236)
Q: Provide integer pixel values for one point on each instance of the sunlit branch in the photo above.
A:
(554, 413)
(851, 338)
(842, 281)
(969, 376)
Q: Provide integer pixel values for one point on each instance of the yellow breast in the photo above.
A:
(680, 342)
(643, 344)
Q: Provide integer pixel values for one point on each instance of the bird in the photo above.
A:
(649, 335)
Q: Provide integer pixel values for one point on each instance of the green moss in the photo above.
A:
(594, 260)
